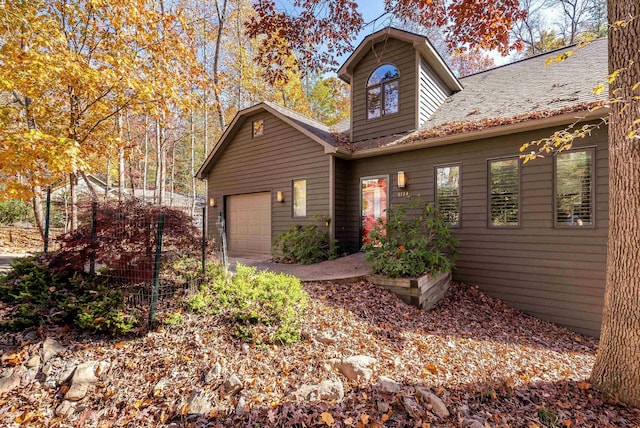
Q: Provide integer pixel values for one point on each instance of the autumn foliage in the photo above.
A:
(125, 241)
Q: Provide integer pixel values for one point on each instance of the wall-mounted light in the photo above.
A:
(402, 180)
(212, 202)
(327, 221)
(279, 196)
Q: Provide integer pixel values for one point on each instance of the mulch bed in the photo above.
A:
(485, 361)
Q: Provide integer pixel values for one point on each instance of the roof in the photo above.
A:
(527, 94)
(420, 43)
(524, 90)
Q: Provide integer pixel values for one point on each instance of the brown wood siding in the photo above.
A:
(402, 55)
(555, 273)
(345, 235)
(432, 92)
(270, 163)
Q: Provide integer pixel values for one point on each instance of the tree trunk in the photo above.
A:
(37, 210)
(121, 179)
(146, 158)
(193, 164)
(73, 193)
(617, 367)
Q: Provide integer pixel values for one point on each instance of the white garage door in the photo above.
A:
(249, 223)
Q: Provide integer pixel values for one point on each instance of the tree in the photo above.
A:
(329, 99)
(487, 24)
(616, 370)
(469, 62)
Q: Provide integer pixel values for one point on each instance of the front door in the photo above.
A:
(373, 203)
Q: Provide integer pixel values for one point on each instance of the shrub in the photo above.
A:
(13, 211)
(125, 240)
(264, 307)
(39, 295)
(414, 241)
(304, 244)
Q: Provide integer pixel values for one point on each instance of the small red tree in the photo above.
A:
(124, 240)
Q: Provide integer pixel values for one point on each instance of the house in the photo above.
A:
(533, 235)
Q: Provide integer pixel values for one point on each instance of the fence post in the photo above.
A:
(204, 239)
(94, 227)
(156, 270)
(46, 221)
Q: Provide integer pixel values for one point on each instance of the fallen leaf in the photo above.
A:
(584, 386)
(327, 418)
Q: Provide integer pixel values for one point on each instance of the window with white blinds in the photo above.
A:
(448, 193)
(574, 188)
(504, 192)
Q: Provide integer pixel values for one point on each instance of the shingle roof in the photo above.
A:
(318, 129)
(514, 92)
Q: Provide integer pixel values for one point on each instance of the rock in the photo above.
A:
(34, 362)
(90, 372)
(472, 423)
(66, 374)
(382, 406)
(65, 409)
(356, 368)
(240, 410)
(232, 385)
(326, 338)
(85, 375)
(158, 387)
(213, 375)
(199, 403)
(50, 348)
(327, 390)
(463, 410)
(77, 391)
(388, 385)
(413, 409)
(8, 383)
(437, 406)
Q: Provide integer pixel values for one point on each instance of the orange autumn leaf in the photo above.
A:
(327, 418)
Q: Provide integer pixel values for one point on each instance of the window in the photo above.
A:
(299, 198)
(382, 91)
(574, 188)
(448, 193)
(257, 127)
(504, 192)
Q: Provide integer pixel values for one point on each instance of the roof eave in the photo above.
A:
(496, 131)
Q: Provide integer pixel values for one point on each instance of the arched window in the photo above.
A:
(382, 91)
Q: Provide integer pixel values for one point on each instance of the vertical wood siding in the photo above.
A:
(557, 274)
(402, 55)
(432, 92)
(270, 163)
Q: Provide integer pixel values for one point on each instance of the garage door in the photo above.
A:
(249, 223)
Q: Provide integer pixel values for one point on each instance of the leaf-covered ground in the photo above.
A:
(486, 362)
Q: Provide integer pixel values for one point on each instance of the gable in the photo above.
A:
(312, 130)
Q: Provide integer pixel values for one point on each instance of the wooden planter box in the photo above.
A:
(423, 292)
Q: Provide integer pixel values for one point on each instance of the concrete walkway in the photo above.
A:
(5, 260)
(343, 269)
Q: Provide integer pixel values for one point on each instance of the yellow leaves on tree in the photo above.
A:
(68, 68)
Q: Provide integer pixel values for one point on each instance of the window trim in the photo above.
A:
(253, 128)
(556, 224)
(293, 198)
(505, 226)
(435, 190)
(381, 85)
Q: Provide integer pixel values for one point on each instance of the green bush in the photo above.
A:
(39, 295)
(304, 244)
(414, 241)
(264, 307)
(13, 211)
